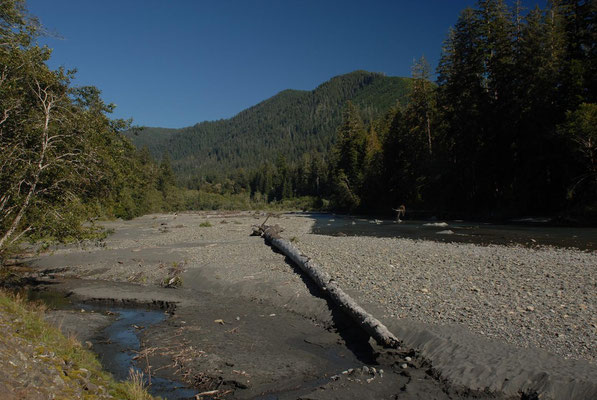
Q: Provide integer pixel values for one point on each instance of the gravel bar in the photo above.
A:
(531, 297)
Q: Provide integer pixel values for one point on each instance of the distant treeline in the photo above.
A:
(509, 128)
(62, 159)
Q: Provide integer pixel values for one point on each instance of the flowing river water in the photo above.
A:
(529, 232)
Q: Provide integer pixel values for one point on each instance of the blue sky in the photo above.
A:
(178, 62)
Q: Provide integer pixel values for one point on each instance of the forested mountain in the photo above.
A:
(289, 124)
(508, 129)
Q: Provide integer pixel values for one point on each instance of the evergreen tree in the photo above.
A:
(581, 126)
(166, 178)
(373, 185)
(349, 148)
(348, 158)
(462, 100)
(421, 105)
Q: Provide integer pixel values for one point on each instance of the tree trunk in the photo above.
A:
(369, 323)
(429, 133)
(47, 107)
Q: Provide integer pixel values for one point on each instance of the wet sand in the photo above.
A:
(246, 323)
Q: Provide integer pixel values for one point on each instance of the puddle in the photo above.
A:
(117, 344)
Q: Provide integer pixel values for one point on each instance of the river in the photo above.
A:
(528, 233)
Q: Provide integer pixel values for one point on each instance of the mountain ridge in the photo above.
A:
(288, 124)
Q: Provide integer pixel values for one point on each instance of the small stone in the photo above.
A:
(373, 370)
(424, 290)
(407, 359)
(365, 369)
(404, 366)
(90, 387)
(238, 318)
(530, 308)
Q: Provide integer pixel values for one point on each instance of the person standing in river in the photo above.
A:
(400, 211)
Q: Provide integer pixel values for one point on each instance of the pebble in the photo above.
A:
(404, 366)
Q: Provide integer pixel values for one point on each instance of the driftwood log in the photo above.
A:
(370, 324)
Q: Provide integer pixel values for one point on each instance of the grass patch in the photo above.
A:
(206, 224)
(78, 367)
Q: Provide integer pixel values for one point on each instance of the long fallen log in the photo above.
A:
(370, 324)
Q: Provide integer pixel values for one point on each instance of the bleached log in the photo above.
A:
(369, 323)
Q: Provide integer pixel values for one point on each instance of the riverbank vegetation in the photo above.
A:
(63, 160)
(35, 351)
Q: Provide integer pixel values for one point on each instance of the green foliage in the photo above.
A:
(288, 124)
(506, 82)
(201, 200)
(166, 177)
(62, 159)
(504, 132)
(206, 224)
(581, 127)
(345, 197)
(347, 159)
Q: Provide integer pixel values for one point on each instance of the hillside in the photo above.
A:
(290, 124)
